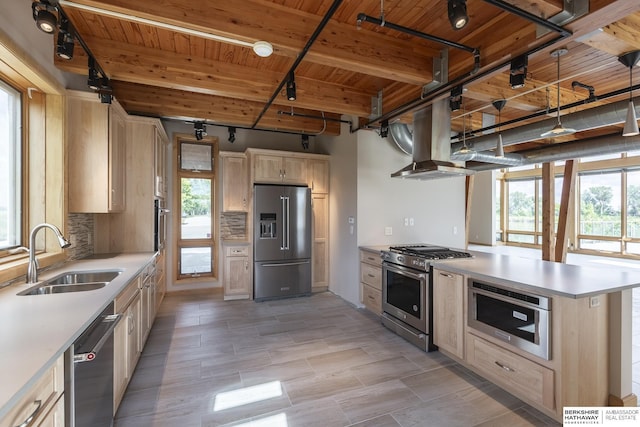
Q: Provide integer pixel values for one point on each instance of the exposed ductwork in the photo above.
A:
(608, 144)
(432, 145)
(597, 117)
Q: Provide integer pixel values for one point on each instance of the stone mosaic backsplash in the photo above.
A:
(233, 225)
(80, 232)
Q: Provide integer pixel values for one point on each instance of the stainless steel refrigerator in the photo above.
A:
(282, 241)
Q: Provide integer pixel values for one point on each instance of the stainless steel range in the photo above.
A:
(407, 290)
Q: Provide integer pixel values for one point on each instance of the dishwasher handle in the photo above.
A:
(109, 323)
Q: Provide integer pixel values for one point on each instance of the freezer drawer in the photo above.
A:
(281, 279)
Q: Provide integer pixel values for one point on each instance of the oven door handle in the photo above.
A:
(506, 299)
(404, 271)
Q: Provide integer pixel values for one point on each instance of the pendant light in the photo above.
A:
(630, 60)
(558, 129)
(499, 105)
(464, 153)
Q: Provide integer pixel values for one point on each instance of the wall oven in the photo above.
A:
(407, 291)
(521, 319)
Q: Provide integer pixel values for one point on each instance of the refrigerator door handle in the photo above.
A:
(288, 223)
(284, 222)
(282, 264)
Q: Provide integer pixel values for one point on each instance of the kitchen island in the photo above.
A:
(36, 330)
(588, 359)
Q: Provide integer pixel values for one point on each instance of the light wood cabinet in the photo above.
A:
(318, 175)
(96, 143)
(235, 189)
(320, 249)
(371, 281)
(448, 312)
(160, 277)
(512, 372)
(160, 162)
(147, 303)
(127, 338)
(42, 403)
(278, 169)
(237, 273)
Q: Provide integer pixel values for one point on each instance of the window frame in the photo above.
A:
(180, 243)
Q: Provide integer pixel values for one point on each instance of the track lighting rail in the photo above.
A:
(323, 23)
(366, 18)
(529, 16)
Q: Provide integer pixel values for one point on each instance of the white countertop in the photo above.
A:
(36, 329)
(544, 277)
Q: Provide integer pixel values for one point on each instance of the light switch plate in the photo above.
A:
(388, 231)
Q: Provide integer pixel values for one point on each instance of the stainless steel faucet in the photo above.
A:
(32, 270)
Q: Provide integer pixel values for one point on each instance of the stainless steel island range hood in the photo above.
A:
(432, 145)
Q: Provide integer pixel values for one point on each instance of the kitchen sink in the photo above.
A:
(46, 289)
(79, 277)
(73, 281)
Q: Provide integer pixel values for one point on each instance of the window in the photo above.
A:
(10, 168)
(600, 213)
(196, 228)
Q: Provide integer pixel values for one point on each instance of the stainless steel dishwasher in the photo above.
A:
(89, 374)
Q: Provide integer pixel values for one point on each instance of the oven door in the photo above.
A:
(405, 295)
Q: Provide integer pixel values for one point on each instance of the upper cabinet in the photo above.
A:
(96, 142)
(234, 182)
(279, 169)
(160, 161)
(318, 174)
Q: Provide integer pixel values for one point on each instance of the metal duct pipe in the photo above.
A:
(597, 117)
(509, 159)
(402, 137)
(608, 144)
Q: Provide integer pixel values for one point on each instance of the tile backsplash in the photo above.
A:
(80, 229)
(233, 225)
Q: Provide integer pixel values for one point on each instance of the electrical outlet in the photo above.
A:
(594, 302)
(388, 231)
(411, 222)
(455, 230)
(73, 239)
(406, 222)
(89, 239)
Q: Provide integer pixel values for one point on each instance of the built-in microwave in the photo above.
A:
(518, 318)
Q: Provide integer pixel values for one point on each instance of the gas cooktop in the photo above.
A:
(429, 251)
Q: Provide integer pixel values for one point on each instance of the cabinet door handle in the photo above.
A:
(246, 265)
(370, 297)
(447, 275)
(371, 258)
(371, 275)
(30, 418)
(505, 367)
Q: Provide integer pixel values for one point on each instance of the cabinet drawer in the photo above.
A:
(237, 251)
(39, 400)
(372, 299)
(129, 292)
(370, 258)
(522, 377)
(371, 275)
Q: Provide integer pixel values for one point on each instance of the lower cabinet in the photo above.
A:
(127, 338)
(512, 372)
(43, 404)
(371, 280)
(448, 312)
(237, 272)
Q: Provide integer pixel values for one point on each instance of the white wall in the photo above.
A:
(343, 247)
(437, 206)
(482, 226)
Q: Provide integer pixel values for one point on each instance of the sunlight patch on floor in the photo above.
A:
(247, 395)
(278, 420)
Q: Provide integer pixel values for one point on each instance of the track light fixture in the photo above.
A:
(630, 59)
(458, 13)
(291, 87)
(518, 72)
(455, 101)
(105, 92)
(305, 142)
(499, 105)
(558, 129)
(232, 134)
(94, 79)
(44, 15)
(200, 130)
(384, 128)
(65, 44)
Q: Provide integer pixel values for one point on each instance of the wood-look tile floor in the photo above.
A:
(313, 361)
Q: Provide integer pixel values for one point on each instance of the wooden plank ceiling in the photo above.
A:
(175, 74)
